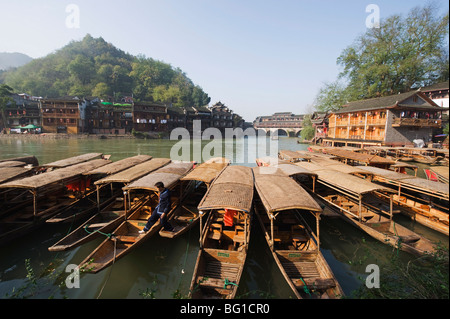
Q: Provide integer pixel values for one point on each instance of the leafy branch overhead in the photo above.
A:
(93, 67)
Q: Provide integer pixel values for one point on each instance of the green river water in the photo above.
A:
(160, 267)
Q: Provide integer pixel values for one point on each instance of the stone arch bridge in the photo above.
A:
(289, 131)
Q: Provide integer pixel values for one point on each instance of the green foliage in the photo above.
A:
(331, 97)
(308, 130)
(446, 129)
(93, 67)
(402, 53)
(5, 98)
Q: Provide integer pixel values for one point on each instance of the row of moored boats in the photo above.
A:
(113, 200)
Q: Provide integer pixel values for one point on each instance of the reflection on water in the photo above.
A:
(160, 267)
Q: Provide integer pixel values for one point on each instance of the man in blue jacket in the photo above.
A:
(161, 210)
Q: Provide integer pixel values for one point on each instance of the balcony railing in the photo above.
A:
(416, 122)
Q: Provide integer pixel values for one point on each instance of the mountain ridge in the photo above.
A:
(95, 67)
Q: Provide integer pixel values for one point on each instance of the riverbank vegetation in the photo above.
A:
(425, 277)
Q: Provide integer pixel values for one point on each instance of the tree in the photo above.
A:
(331, 96)
(308, 130)
(401, 54)
(5, 99)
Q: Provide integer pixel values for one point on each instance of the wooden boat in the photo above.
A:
(187, 215)
(344, 194)
(442, 173)
(26, 160)
(73, 160)
(90, 205)
(425, 159)
(280, 208)
(42, 196)
(102, 223)
(422, 200)
(126, 236)
(110, 217)
(225, 236)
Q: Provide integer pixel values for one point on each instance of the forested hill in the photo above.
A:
(93, 67)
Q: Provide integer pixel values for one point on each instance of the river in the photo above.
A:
(160, 267)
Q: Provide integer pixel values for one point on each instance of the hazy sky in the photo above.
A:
(257, 57)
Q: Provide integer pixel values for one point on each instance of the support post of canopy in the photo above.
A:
(390, 205)
(125, 203)
(359, 207)
(201, 228)
(98, 199)
(271, 231)
(34, 203)
(317, 230)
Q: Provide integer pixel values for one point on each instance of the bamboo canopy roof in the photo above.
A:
(430, 187)
(134, 172)
(313, 167)
(168, 175)
(59, 175)
(350, 183)
(207, 171)
(338, 166)
(24, 159)
(279, 192)
(11, 164)
(232, 189)
(293, 170)
(386, 173)
(271, 160)
(8, 173)
(120, 165)
(359, 157)
(441, 170)
(73, 160)
(291, 155)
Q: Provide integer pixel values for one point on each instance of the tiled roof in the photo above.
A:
(383, 102)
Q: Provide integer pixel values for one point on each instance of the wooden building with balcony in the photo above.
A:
(394, 120)
(150, 116)
(61, 115)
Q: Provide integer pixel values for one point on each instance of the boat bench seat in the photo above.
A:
(410, 238)
(123, 238)
(97, 225)
(184, 218)
(215, 231)
(204, 281)
(315, 283)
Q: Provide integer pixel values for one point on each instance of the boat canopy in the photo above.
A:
(294, 170)
(350, 183)
(134, 172)
(168, 175)
(73, 160)
(59, 175)
(207, 171)
(232, 189)
(120, 165)
(408, 181)
(9, 173)
(291, 156)
(279, 192)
